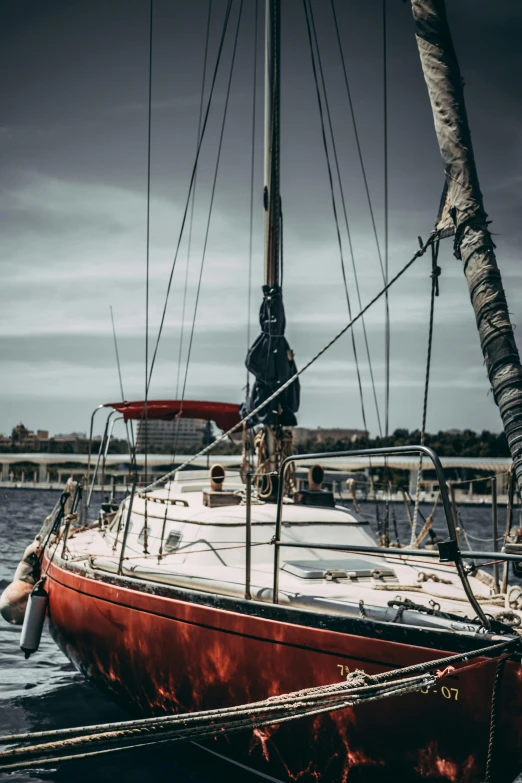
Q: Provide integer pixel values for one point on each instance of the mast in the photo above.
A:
(272, 197)
(270, 359)
(464, 216)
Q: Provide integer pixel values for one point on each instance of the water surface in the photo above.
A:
(46, 691)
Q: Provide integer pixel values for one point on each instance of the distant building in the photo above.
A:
(184, 435)
(24, 440)
(320, 435)
(70, 443)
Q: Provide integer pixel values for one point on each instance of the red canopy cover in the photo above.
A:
(225, 414)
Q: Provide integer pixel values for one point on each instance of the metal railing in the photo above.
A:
(449, 550)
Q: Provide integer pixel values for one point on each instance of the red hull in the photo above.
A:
(159, 653)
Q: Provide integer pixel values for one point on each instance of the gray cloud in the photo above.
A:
(72, 210)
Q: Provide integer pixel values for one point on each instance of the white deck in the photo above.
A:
(204, 549)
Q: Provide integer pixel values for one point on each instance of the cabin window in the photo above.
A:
(173, 541)
(141, 537)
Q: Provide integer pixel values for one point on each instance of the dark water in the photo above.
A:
(46, 692)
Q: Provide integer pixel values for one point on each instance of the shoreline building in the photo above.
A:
(320, 435)
(161, 437)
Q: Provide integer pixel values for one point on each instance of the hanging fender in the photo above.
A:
(13, 601)
(34, 620)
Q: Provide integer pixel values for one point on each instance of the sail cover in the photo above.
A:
(464, 209)
(461, 200)
(271, 361)
(225, 414)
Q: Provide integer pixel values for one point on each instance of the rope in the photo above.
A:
(427, 524)
(435, 273)
(493, 720)
(358, 688)
(303, 369)
(263, 479)
(274, 716)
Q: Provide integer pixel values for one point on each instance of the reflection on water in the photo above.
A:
(46, 692)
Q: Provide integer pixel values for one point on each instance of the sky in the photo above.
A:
(73, 206)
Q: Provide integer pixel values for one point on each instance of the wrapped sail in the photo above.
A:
(463, 214)
(271, 361)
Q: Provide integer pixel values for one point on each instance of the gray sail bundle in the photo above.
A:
(462, 214)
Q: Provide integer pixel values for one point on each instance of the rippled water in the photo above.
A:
(46, 692)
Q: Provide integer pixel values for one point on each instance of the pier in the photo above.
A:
(51, 471)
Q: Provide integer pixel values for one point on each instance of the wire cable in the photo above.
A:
(213, 193)
(252, 164)
(435, 272)
(191, 223)
(358, 141)
(420, 252)
(191, 185)
(345, 214)
(387, 336)
(334, 207)
(149, 134)
(129, 439)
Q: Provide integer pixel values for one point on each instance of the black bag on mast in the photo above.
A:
(271, 361)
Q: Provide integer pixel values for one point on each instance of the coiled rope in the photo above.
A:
(86, 741)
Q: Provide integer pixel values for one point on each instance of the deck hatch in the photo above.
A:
(173, 541)
(355, 568)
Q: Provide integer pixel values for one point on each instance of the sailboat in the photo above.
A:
(209, 590)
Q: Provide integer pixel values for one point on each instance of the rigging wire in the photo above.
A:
(420, 252)
(129, 439)
(191, 223)
(176, 422)
(386, 221)
(117, 355)
(191, 185)
(148, 257)
(334, 205)
(435, 273)
(358, 146)
(252, 164)
(347, 225)
(358, 141)
(213, 192)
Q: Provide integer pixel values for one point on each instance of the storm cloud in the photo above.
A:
(73, 81)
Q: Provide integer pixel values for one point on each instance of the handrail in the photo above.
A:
(95, 411)
(248, 537)
(451, 546)
(102, 446)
